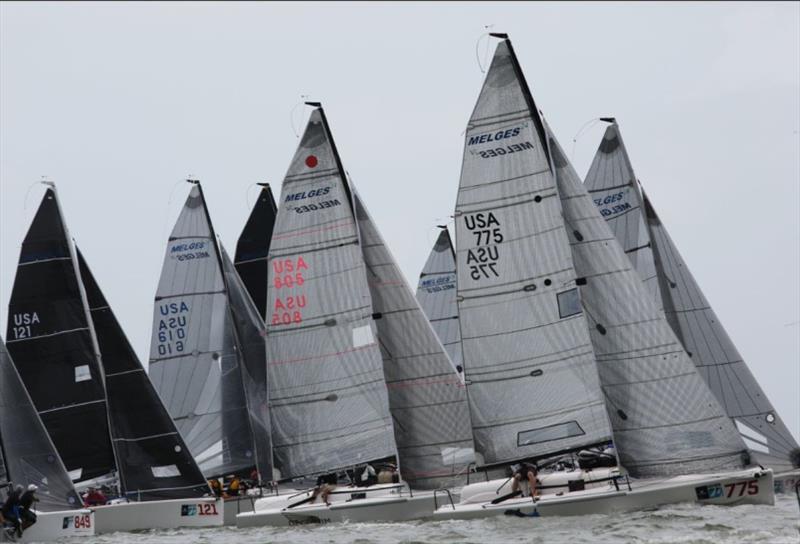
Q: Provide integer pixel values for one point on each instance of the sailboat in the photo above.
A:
(27, 456)
(629, 213)
(436, 293)
(252, 248)
(82, 373)
(207, 354)
(356, 373)
(563, 350)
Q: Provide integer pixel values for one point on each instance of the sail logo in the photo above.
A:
(494, 136)
(437, 285)
(307, 194)
(482, 260)
(607, 204)
(189, 251)
(21, 327)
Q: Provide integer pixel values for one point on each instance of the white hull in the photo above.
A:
(52, 526)
(387, 502)
(785, 482)
(167, 514)
(752, 486)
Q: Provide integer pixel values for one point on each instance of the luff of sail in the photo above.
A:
(530, 370)
(154, 462)
(436, 293)
(30, 456)
(250, 333)
(252, 248)
(51, 343)
(689, 313)
(328, 399)
(665, 419)
(427, 397)
(194, 362)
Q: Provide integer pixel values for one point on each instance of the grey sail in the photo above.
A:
(531, 376)
(436, 293)
(427, 397)
(691, 317)
(665, 419)
(30, 456)
(194, 362)
(250, 333)
(328, 399)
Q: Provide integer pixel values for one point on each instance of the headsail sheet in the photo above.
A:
(51, 343)
(665, 274)
(250, 332)
(31, 457)
(328, 399)
(427, 397)
(252, 249)
(193, 360)
(154, 462)
(532, 381)
(665, 419)
(436, 293)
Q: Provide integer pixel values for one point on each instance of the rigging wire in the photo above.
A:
(169, 205)
(303, 98)
(486, 51)
(588, 124)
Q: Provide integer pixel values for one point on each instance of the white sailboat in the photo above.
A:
(629, 213)
(81, 371)
(563, 349)
(356, 374)
(27, 456)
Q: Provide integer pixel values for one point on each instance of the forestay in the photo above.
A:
(52, 346)
(665, 419)
(250, 332)
(252, 249)
(436, 293)
(690, 315)
(193, 360)
(426, 396)
(530, 370)
(327, 394)
(30, 456)
(154, 462)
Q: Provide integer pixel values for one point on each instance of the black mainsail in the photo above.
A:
(29, 456)
(252, 248)
(51, 342)
(154, 461)
(630, 215)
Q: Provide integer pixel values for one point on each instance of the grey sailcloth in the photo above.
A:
(30, 456)
(436, 293)
(328, 398)
(665, 419)
(193, 359)
(690, 315)
(250, 332)
(532, 381)
(427, 397)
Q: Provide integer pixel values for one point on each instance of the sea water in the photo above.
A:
(684, 523)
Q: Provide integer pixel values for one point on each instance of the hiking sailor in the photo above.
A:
(325, 485)
(11, 508)
(26, 513)
(525, 471)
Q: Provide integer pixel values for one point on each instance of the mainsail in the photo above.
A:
(530, 368)
(654, 256)
(252, 248)
(52, 345)
(665, 419)
(328, 399)
(427, 398)
(30, 456)
(194, 359)
(154, 462)
(436, 293)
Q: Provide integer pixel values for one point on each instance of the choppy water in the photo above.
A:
(684, 523)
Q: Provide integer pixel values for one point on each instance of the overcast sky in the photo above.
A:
(118, 103)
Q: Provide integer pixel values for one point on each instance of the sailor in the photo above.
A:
(366, 477)
(94, 497)
(388, 474)
(525, 471)
(325, 486)
(215, 486)
(26, 513)
(11, 508)
(234, 485)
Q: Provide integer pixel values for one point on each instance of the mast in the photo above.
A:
(533, 385)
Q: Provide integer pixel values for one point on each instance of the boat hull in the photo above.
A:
(376, 503)
(167, 514)
(731, 488)
(785, 482)
(52, 526)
